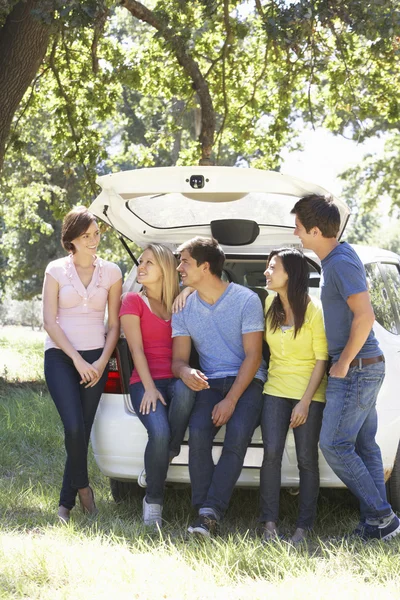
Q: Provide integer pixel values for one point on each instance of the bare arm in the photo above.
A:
(131, 327)
(180, 301)
(193, 378)
(113, 303)
(87, 371)
(252, 344)
(300, 411)
(363, 320)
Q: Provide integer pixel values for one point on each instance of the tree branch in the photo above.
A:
(191, 68)
(225, 53)
(98, 30)
(23, 111)
(260, 9)
(70, 117)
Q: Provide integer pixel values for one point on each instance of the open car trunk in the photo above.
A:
(247, 210)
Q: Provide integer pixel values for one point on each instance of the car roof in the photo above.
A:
(372, 254)
(173, 204)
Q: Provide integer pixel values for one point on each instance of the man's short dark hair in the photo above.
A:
(206, 250)
(318, 211)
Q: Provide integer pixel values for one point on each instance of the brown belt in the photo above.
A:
(361, 362)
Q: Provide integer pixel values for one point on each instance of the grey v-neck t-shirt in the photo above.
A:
(216, 329)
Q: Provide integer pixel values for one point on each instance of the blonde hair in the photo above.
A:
(167, 263)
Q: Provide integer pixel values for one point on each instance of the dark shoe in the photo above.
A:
(358, 530)
(86, 498)
(63, 514)
(381, 532)
(204, 525)
(270, 532)
(299, 536)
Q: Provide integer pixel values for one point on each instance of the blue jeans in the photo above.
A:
(77, 407)
(348, 437)
(166, 428)
(275, 421)
(212, 485)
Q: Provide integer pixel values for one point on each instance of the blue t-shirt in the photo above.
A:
(216, 329)
(343, 275)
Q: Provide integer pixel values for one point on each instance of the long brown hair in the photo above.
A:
(296, 267)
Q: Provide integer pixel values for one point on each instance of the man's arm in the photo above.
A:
(363, 320)
(252, 344)
(193, 378)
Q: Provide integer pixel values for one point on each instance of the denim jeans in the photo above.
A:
(275, 422)
(77, 407)
(166, 428)
(212, 485)
(348, 437)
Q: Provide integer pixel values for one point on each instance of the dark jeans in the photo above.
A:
(166, 428)
(275, 422)
(212, 485)
(77, 407)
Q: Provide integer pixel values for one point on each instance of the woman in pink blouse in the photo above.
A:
(76, 291)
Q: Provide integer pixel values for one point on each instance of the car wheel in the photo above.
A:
(123, 491)
(393, 485)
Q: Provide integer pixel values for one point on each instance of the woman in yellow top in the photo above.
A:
(295, 389)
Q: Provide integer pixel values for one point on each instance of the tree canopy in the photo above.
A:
(93, 87)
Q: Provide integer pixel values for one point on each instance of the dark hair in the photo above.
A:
(318, 211)
(206, 250)
(76, 222)
(296, 267)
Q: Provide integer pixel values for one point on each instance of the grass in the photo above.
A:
(113, 556)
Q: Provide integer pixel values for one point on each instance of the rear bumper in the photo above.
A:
(119, 440)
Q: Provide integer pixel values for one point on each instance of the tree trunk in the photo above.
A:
(191, 67)
(23, 43)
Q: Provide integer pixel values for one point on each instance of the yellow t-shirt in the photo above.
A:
(293, 359)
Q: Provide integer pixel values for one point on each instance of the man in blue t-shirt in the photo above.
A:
(225, 322)
(358, 367)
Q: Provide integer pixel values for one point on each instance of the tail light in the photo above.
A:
(113, 383)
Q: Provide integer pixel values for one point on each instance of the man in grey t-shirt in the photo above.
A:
(225, 321)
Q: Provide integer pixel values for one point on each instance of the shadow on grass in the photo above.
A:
(6, 386)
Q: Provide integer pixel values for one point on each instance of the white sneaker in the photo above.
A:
(142, 479)
(152, 514)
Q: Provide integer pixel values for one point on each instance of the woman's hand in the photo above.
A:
(87, 371)
(149, 401)
(299, 414)
(180, 300)
(99, 365)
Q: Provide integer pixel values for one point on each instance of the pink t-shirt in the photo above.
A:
(156, 336)
(81, 310)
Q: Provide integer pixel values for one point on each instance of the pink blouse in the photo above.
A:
(81, 310)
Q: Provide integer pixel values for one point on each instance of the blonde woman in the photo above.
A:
(162, 403)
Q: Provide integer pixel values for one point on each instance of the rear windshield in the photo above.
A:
(166, 211)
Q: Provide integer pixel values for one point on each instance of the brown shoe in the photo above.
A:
(86, 498)
(63, 514)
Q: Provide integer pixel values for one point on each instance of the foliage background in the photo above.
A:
(111, 93)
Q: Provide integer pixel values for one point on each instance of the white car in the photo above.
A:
(248, 211)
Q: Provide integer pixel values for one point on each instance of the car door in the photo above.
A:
(383, 277)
